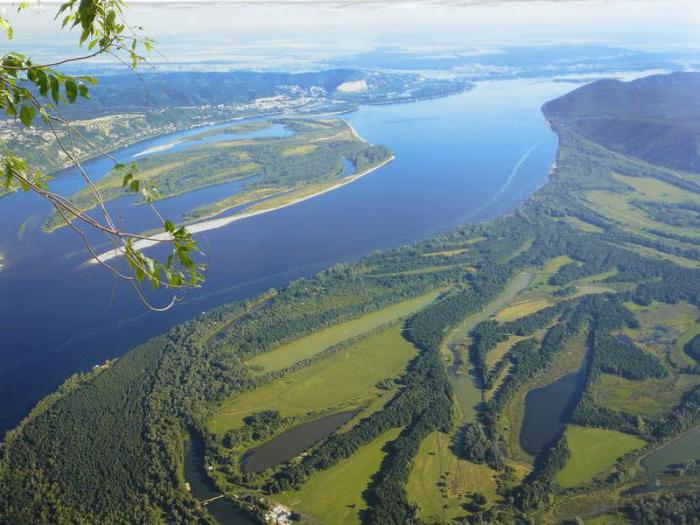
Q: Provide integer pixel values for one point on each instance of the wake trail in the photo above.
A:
(507, 182)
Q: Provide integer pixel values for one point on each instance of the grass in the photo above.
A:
(440, 483)
(656, 254)
(664, 329)
(495, 355)
(288, 354)
(583, 225)
(652, 397)
(345, 380)
(606, 519)
(335, 495)
(619, 206)
(593, 450)
(522, 308)
(683, 340)
(426, 269)
(541, 275)
(304, 149)
(511, 290)
(446, 253)
(655, 189)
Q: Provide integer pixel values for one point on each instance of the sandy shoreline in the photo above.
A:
(220, 222)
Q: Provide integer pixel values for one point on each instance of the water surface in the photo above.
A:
(466, 157)
(293, 442)
(547, 410)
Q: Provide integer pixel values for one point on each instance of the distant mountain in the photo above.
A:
(153, 91)
(159, 90)
(656, 118)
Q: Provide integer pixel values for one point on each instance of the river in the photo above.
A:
(467, 157)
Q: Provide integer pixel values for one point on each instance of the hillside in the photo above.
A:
(124, 92)
(585, 299)
(655, 118)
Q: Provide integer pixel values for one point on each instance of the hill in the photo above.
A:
(655, 118)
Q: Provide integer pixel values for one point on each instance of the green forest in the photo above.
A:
(590, 275)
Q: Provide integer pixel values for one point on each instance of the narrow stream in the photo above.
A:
(203, 488)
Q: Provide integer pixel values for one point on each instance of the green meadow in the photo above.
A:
(592, 451)
(348, 478)
(288, 354)
(344, 380)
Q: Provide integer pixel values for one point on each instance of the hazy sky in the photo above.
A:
(304, 32)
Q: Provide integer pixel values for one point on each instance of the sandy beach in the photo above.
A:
(212, 224)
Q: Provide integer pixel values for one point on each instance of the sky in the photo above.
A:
(266, 33)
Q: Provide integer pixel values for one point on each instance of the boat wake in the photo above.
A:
(506, 185)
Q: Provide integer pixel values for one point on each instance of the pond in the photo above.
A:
(293, 442)
(547, 410)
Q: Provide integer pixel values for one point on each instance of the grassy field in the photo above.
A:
(619, 206)
(459, 334)
(542, 274)
(440, 483)
(495, 355)
(583, 225)
(446, 253)
(663, 327)
(521, 308)
(347, 379)
(593, 450)
(335, 495)
(650, 396)
(288, 354)
(427, 269)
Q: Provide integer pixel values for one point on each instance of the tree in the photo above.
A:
(34, 94)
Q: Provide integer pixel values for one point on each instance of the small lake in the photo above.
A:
(463, 158)
(547, 410)
(293, 442)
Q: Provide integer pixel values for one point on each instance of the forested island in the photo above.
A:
(287, 160)
(433, 354)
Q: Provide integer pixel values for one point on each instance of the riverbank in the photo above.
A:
(213, 224)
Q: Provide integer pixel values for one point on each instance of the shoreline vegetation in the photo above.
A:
(286, 155)
(593, 289)
(212, 224)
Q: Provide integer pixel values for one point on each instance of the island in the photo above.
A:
(289, 160)
(538, 367)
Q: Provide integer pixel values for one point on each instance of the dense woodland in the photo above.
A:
(126, 423)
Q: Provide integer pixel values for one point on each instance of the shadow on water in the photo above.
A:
(547, 410)
(293, 442)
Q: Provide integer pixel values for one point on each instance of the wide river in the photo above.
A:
(468, 157)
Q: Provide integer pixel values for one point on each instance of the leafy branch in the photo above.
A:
(33, 94)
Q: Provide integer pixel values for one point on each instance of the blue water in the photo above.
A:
(276, 130)
(467, 157)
